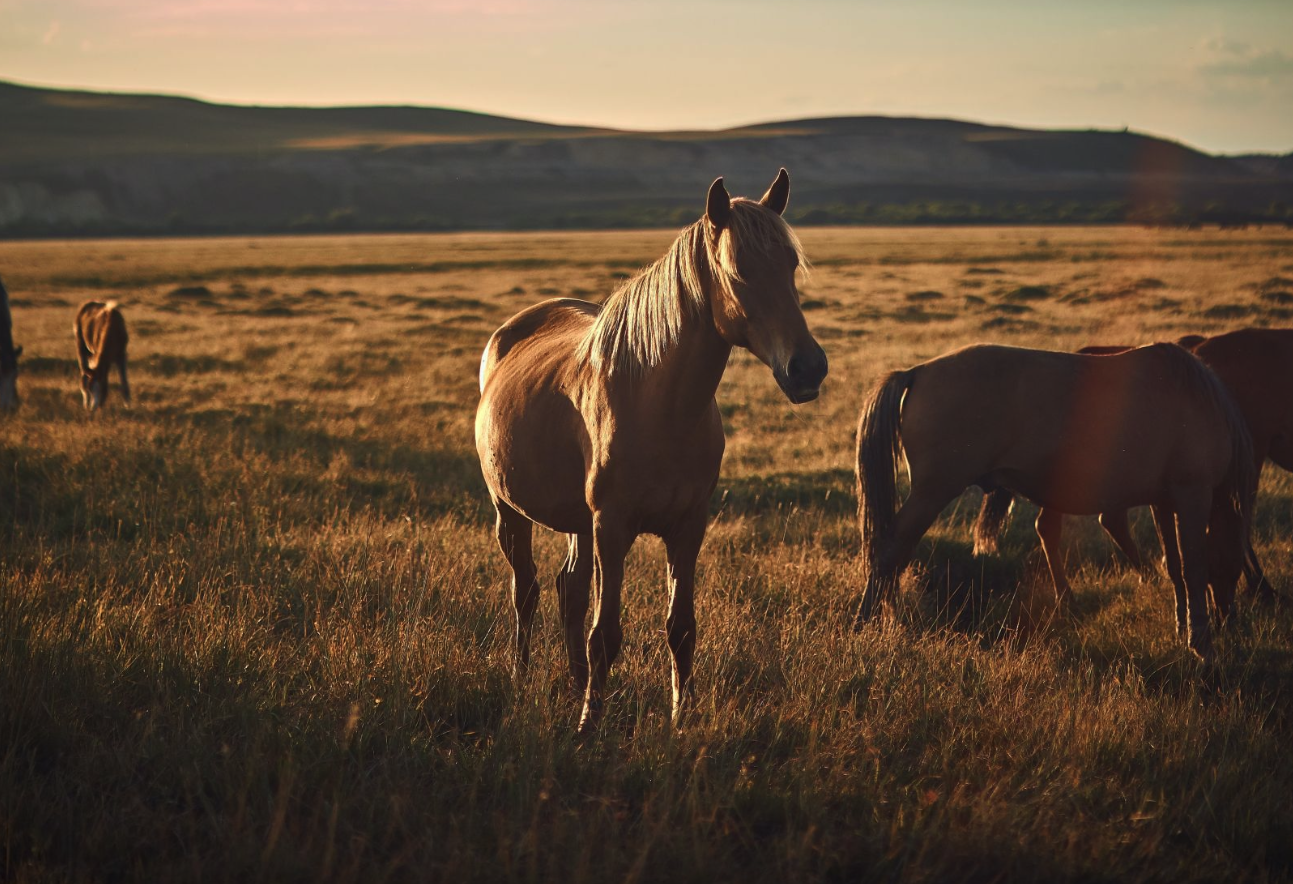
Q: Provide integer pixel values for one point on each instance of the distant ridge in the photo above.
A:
(56, 123)
(80, 162)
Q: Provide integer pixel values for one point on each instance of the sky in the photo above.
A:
(1215, 75)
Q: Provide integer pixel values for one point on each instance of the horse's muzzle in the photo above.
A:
(801, 379)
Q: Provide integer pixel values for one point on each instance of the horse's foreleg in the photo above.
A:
(1165, 522)
(1050, 530)
(1254, 579)
(682, 548)
(913, 520)
(1115, 525)
(610, 545)
(515, 533)
(572, 597)
(1192, 534)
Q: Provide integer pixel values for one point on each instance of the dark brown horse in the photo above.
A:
(101, 340)
(1256, 365)
(1073, 433)
(8, 356)
(600, 422)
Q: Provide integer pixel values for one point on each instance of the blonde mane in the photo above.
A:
(641, 321)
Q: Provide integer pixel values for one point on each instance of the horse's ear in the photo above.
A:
(718, 205)
(778, 194)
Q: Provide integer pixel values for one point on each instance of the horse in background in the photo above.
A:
(8, 356)
(1074, 434)
(101, 340)
(600, 422)
(1256, 366)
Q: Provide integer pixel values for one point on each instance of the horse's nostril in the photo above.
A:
(807, 367)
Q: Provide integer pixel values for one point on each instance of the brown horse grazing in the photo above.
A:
(101, 340)
(1256, 365)
(997, 502)
(600, 422)
(1074, 434)
(8, 356)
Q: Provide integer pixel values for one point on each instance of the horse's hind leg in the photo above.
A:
(125, 384)
(515, 533)
(1115, 525)
(682, 548)
(1050, 530)
(913, 520)
(1165, 522)
(996, 507)
(572, 597)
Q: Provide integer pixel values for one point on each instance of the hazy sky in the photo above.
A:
(1217, 75)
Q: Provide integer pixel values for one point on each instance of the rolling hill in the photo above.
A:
(75, 162)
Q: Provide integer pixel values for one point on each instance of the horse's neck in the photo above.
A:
(683, 384)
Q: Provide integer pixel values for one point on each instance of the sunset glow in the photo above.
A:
(1216, 75)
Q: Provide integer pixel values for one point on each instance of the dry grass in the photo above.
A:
(255, 628)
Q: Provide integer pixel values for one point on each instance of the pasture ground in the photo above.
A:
(256, 628)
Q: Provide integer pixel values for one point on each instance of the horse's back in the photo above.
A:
(553, 325)
(101, 328)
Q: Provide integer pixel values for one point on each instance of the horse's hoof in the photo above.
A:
(1267, 597)
(863, 616)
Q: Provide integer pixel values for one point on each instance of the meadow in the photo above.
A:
(256, 627)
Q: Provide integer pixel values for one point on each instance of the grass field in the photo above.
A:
(256, 627)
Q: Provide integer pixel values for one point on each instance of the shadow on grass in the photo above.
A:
(829, 492)
(169, 483)
(997, 597)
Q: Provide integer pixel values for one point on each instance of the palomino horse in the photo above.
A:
(8, 356)
(600, 422)
(1074, 434)
(1256, 365)
(101, 339)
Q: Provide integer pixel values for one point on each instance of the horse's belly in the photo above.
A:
(1077, 493)
(1093, 474)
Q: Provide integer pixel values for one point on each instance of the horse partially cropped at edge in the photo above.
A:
(600, 422)
(8, 356)
(1074, 434)
(1256, 365)
(101, 340)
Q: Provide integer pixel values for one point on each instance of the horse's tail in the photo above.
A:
(996, 508)
(879, 451)
(488, 359)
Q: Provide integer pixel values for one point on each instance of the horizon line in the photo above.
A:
(622, 130)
